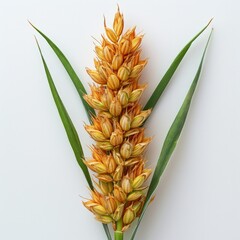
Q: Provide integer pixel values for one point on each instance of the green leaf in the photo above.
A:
(70, 130)
(72, 74)
(168, 75)
(67, 123)
(171, 140)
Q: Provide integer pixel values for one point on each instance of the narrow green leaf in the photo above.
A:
(67, 123)
(168, 75)
(72, 74)
(171, 139)
(70, 130)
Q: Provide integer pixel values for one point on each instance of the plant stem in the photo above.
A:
(118, 234)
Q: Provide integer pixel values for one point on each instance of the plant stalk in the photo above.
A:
(118, 234)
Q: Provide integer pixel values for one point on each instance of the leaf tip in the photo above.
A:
(210, 21)
(36, 41)
(31, 23)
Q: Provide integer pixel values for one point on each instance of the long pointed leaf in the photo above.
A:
(70, 130)
(72, 74)
(168, 75)
(67, 123)
(171, 140)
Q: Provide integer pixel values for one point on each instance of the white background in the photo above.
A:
(41, 185)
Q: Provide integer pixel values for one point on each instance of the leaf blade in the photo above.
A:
(171, 140)
(72, 74)
(171, 70)
(67, 122)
